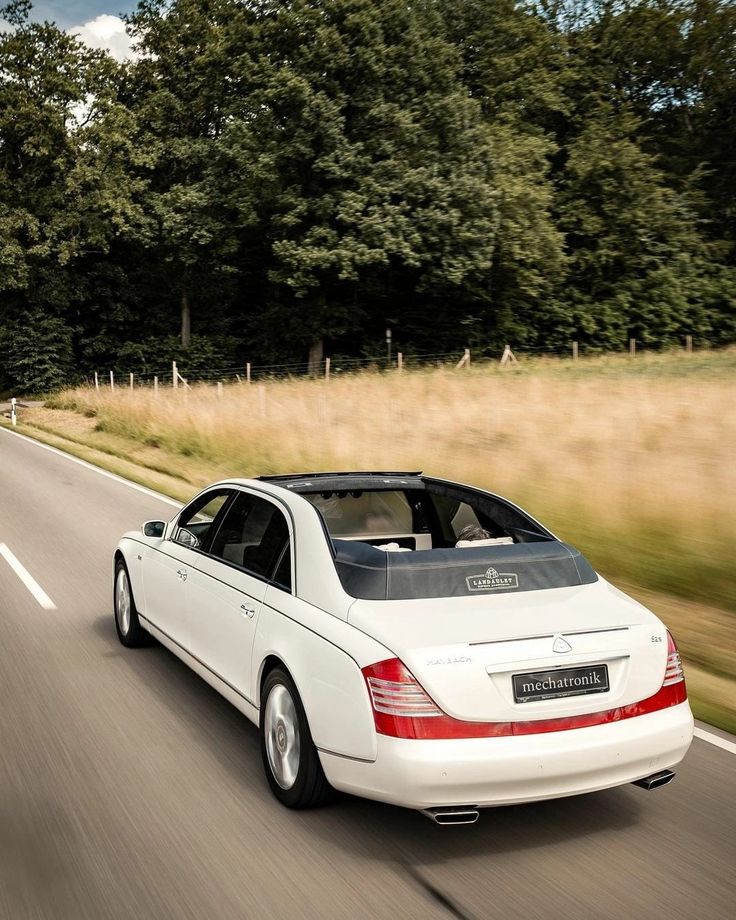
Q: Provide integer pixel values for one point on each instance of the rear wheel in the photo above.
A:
(290, 758)
(130, 632)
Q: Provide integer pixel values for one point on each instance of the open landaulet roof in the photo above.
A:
(339, 481)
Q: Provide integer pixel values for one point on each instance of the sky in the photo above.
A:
(66, 13)
(96, 22)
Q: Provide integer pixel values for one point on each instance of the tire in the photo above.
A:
(129, 630)
(290, 759)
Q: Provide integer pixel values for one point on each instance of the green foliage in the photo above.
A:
(153, 356)
(464, 171)
(35, 354)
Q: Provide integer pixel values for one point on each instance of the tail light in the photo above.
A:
(396, 692)
(402, 708)
(399, 700)
(673, 672)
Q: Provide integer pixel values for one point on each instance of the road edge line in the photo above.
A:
(715, 740)
(96, 469)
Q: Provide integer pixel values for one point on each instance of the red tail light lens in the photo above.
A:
(402, 708)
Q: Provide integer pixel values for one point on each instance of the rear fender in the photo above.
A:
(327, 675)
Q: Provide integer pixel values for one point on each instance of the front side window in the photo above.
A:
(195, 521)
(255, 536)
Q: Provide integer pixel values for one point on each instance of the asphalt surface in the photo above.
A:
(129, 788)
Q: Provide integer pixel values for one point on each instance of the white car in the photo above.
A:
(407, 639)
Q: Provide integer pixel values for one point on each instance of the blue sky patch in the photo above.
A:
(67, 13)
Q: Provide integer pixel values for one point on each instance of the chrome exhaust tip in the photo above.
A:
(462, 814)
(655, 780)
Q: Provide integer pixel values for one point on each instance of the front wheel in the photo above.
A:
(130, 632)
(290, 758)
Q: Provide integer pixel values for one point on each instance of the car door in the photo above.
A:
(241, 559)
(166, 569)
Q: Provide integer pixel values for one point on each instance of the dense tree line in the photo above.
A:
(270, 177)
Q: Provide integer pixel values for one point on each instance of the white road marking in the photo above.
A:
(96, 469)
(715, 739)
(28, 580)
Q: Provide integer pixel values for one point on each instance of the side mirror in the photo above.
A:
(154, 528)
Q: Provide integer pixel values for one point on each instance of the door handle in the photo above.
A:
(248, 611)
(182, 573)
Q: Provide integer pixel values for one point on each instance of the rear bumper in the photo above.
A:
(504, 771)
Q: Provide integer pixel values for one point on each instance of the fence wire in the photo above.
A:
(163, 375)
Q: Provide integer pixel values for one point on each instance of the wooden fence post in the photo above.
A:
(465, 360)
(632, 348)
(400, 361)
(13, 416)
(131, 381)
(247, 372)
(97, 382)
(112, 380)
(508, 357)
(327, 369)
(574, 351)
(174, 375)
(689, 344)
(155, 385)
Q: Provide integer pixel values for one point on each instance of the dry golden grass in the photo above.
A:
(636, 468)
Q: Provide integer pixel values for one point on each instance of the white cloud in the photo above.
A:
(108, 33)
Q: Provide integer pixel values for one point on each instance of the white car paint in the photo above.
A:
(227, 625)
(507, 771)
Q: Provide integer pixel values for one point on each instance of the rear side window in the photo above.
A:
(255, 536)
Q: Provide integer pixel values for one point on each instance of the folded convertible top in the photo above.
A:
(373, 574)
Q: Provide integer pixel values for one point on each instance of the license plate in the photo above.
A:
(552, 685)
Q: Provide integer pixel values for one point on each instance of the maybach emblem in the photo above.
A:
(492, 580)
(561, 645)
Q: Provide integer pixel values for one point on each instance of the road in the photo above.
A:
(129, 788)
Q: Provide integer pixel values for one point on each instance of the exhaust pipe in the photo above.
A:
(655, 780)
(462, 814)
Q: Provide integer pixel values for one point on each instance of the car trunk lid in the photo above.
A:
(589, 648)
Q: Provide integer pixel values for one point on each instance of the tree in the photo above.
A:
(515, 66)
(35, 353)
(638, 263)
(343, 152)
(63, 190)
